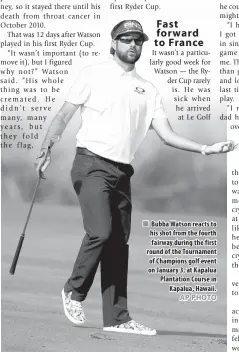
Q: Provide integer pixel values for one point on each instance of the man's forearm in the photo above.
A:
(59, 124)
(164, 130)
(54, 132)
(179, 142)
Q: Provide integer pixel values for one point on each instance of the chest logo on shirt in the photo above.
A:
(139, 90)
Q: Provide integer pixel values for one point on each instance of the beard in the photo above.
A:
(130, 56)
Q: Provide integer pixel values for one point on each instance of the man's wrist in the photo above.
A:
(47, 144)
(204, 149)
(43, 151)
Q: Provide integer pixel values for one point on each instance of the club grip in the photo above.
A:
(15, 259)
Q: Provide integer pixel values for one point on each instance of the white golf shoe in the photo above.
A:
(73, 309)
(131, 327)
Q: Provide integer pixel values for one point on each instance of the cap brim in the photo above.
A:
(145, 37)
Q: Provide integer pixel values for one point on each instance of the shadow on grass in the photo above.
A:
(189, 333)
(162, 333)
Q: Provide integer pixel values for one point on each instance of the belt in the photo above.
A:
(125, 168)
(85, 151)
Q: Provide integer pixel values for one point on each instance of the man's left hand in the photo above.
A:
(221, 147)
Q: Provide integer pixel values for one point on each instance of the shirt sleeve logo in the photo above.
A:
(139, 90)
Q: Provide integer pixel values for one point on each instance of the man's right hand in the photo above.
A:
(42, 162)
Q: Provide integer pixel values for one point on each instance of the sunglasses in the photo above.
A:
(138, 41)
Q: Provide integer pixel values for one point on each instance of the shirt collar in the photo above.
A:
(120, 70)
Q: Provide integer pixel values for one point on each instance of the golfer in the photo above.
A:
(117, 109)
